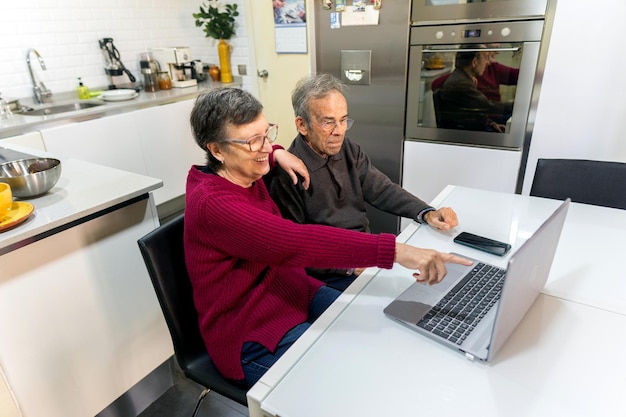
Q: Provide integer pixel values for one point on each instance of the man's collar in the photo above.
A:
(311, 159)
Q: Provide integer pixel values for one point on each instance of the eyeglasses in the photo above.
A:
(330, 125)
(255, 143)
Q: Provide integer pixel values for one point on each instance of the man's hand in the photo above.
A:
(498, 127)
(359, 271)
(442, 219)
(292, 165)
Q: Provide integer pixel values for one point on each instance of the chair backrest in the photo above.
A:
(437, 106)
(163, 254)
(600, 183)
(437, 83)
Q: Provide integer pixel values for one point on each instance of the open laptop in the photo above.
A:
(479, 329)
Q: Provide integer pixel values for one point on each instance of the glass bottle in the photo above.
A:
(150, 82)
(165, 82)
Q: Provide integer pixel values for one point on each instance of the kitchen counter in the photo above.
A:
(19, 123)
(83, 190)
(148, 135)
(79, 321)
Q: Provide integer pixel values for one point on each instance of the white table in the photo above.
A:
(592, 243)
(565, 358)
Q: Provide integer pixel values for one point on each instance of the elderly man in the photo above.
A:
(342, 177)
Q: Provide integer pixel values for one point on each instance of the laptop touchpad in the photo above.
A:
(454, 273)
(418, 299)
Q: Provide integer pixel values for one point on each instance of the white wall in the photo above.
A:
(66, 34)
(582, 111)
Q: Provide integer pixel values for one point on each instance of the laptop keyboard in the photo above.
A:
(457, 314)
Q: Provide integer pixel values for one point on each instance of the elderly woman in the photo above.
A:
(246, 262)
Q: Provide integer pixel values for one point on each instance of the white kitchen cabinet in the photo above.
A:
(168, 146)
(79, 321)
(429, 167)
(155, 141)
(110, 141)
(29, 140)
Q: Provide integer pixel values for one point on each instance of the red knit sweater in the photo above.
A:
(246, 264)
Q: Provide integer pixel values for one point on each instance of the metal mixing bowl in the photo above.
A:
(30, 177)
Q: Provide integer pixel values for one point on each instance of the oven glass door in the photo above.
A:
(460, 10)
(470, 93)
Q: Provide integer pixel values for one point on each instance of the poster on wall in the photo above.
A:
(290, 26)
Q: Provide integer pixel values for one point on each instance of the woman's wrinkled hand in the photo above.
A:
(430, 263)
(293, 166)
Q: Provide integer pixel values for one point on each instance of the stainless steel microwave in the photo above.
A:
(427, 12)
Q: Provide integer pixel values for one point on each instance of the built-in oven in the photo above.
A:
(437, 11)
(446, 101)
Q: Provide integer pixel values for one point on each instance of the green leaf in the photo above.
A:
(217, 25)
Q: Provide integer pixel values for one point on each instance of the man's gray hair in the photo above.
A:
(311, 88)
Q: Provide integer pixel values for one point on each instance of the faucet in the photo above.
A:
(40, 92)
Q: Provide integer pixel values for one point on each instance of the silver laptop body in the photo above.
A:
(525, 276)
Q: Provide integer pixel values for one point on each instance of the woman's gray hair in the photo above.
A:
(311, 88)
(217, 109)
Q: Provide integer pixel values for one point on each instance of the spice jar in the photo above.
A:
(165, 82)
(214, 72)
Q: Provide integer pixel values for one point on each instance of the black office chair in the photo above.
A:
(600, 183)
(162, 251)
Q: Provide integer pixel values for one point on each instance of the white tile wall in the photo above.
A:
(66, 34)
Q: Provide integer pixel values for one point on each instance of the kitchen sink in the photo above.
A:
(61, 108)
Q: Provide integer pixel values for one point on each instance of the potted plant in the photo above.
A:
(218, 22)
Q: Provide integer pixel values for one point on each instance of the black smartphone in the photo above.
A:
(482, 243)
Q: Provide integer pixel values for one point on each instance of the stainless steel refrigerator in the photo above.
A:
(374, 59)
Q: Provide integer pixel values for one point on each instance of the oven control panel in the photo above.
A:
(526, 31)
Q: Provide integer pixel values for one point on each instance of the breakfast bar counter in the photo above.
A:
(83, 190)
(79, 322)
